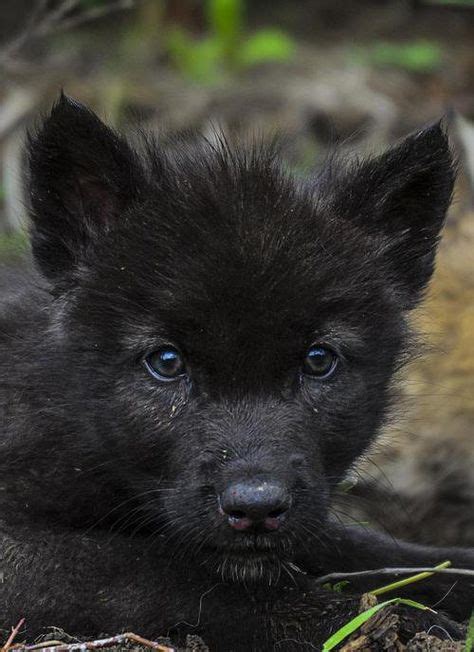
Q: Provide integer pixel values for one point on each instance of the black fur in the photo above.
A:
(109, 478)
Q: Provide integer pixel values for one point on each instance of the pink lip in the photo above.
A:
(240, 523)
(272, 523)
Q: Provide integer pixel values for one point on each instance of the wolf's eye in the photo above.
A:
(320, 362)
(165, 364)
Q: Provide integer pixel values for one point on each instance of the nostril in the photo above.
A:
(255, 502)
(236, 513)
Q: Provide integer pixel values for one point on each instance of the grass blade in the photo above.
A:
(360, 619)
(409, 580)
(470, 635)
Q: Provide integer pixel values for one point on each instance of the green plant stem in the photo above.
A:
(470, 635)
(410, 580)
(360, 619)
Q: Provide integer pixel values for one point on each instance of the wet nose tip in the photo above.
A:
(247, 504)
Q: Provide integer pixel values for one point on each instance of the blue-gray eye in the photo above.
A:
(165, 363)
(320, 362)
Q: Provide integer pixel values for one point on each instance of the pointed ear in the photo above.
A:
(401, 199)
(82, 177)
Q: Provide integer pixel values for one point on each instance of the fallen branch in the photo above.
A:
(41, 646)
(12, 636)
(100, 644)
(461, 572)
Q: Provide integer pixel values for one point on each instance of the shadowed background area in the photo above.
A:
(356, 74)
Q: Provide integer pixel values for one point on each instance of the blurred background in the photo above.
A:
(356, 73)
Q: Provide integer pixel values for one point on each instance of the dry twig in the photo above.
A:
(331, 577)
(12, 636)
(100, 644)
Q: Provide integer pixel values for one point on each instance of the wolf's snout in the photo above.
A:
(255, 504)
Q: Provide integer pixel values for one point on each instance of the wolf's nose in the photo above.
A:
(255, 503)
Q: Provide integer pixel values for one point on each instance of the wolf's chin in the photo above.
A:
(254, 569)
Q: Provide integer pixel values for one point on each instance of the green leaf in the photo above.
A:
(266, 45)
(225, 18)
(196, 60)
(207, 55)
(360, 619)
(419, 56)
(223, 51)
(469, 646)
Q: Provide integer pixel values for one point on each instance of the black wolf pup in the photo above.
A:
(207, 348)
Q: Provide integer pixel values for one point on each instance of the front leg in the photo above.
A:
(97, 583)
(355, 548)
(89, 583)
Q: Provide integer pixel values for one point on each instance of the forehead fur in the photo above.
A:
(227, 252)
(219, 224)
(215, 231)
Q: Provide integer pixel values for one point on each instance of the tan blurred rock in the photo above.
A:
(427, 461)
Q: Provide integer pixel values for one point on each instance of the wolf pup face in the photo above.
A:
(221, 337)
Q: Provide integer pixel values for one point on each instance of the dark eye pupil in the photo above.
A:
(319, 362)
(166, 363)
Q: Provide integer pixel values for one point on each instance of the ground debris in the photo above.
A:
(128, 641)
(425, 642)
(381, 634)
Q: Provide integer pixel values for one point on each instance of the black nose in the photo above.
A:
(255, 503)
